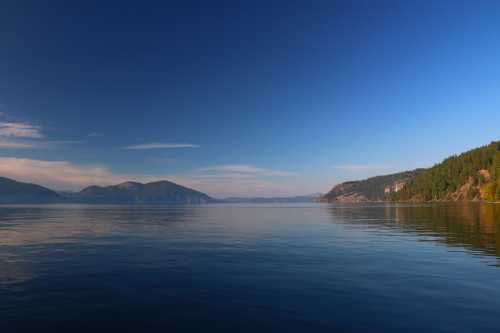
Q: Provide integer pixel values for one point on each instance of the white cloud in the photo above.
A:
(57, 174)
(244, 170)
(9, 144)
(64, 175)
(20, 130)
(95, 135)
(5, 144)
(162, 146)
(17, 135)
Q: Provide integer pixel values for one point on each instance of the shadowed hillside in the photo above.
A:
(372, 189)
(12, 191)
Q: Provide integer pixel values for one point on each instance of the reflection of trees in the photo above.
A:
(474, 226)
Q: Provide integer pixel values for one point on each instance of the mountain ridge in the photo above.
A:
(13, 191)
(373, 189)
(157, 192)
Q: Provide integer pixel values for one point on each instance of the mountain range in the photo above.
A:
(470, 176)
(160, 192)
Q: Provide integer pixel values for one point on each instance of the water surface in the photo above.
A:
(309, 267)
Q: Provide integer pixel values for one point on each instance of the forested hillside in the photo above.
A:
(377, 188)
(473, 175)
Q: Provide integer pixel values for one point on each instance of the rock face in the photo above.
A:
(12, 191)
(161, 192)
(378, 188)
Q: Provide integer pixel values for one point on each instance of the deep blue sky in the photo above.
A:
(275, 97)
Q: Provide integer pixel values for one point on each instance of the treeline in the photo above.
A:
(479, 168)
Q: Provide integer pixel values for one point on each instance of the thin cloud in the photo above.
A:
(65, 175)
(95, 135)
(362, 168)
(10, 144)
(162, 146)
(63, 142)
(20, 130)
(17, 145)
(58, 174)
(244, 170)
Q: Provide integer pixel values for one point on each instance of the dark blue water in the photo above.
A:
(248, 268)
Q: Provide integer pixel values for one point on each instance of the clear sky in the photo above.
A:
(243, 97)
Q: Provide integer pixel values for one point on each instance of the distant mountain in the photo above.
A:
(379, 188)
(300, 198)
(12, 191)
(473, 175)
(160, 192)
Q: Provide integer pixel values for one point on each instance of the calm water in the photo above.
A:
(311, 267)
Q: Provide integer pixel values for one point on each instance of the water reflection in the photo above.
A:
(53, 224)
(249, 268)
(13, 269)
(29, 234)
(473, 226)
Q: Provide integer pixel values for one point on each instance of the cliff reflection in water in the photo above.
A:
(473, 226)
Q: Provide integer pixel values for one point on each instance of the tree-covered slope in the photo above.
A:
(473, 175)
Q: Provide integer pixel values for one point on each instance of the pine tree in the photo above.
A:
(496, 175)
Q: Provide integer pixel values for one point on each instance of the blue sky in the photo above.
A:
(232, 98)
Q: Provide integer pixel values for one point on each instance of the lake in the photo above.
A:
(250, 268)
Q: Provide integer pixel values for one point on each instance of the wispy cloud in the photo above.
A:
(17, 135)
(20, 130)
(21, 135)
(95, 135)
(157, 145)
(62, 142)
(11, 144)
(58, 174)
(65, 175)
(362, 168)
(5, 144)
(243, 170)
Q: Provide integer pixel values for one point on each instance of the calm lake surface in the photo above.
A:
(303, 268)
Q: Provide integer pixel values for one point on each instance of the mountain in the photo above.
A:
(300, 198)
(473, 175)
(377, 188)
(12, 191)
(160, 192)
